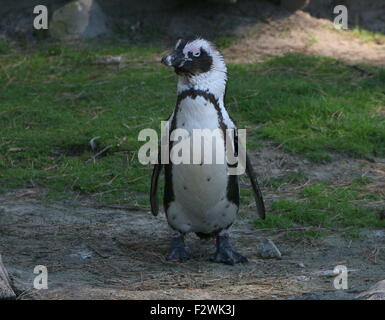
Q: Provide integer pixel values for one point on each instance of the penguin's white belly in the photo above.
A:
(200, 190)
(200, 203)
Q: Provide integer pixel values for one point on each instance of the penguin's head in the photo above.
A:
(193, 56)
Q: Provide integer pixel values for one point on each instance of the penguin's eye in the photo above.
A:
(196, 54)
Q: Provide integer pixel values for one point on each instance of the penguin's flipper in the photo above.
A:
(154, 188)
(257, 191)
(155, 176)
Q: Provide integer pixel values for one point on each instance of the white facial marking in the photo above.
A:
(194, 47)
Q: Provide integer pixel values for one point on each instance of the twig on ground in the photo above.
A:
(100, 154)
(362, 70)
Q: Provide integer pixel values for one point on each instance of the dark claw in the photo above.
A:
(178, 250)
(225, 252)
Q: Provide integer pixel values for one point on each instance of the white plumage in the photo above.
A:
(200, 202)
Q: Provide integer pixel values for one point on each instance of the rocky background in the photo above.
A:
(155, 19)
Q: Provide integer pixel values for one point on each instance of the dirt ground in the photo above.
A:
(302, 33)
(94, 252)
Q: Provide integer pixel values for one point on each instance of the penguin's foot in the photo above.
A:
(226, 253)
(178, 250)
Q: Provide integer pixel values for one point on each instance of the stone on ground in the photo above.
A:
(268, 250)
(78, 19)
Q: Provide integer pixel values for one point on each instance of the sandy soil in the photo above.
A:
(94, 252)
(302, 33)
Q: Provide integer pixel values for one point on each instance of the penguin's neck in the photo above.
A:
(213, 81)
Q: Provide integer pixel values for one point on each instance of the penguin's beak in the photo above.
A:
(172, 59)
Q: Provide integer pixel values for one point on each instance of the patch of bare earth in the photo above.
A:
(95, 252)
(302, 33)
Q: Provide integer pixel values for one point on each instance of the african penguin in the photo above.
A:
(200, 197)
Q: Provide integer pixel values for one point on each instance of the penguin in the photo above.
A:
(201, 198)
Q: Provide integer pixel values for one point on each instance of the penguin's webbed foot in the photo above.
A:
(226, 253)
(178, 250)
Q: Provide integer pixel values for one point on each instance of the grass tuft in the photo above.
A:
(325, 207)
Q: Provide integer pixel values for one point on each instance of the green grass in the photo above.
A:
(294, 177)
(312, 106)
(325, 207)
(54, 99)
(5, 46)
(368, 36)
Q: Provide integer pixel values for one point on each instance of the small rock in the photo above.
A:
(303, 278)
(268, 250)
(376, 292)
(301, 265)
(78, 19)
(85, 254)
(82, 254)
